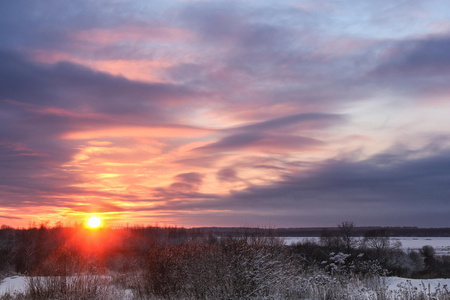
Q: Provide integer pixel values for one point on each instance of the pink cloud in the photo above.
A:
(138, 131)
(130, 68)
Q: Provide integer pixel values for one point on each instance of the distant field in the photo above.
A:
(440, 244)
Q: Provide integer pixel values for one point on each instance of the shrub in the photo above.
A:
(233, 268)
(78, 287)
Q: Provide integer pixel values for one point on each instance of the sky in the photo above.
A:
(225, 113)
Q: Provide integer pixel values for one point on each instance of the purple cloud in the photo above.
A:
(78, 88)
(391, 187)
(304, 121)
(266, 142)
(227, 174)
(418, 58)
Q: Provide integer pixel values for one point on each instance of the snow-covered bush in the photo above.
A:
(78, 287)
(232, 268)
(408, 291)
(336, 263)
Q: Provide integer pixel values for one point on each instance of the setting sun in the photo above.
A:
(94, 222)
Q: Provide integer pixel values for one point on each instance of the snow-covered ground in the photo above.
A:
(17, 284)
(401, 288)
(13, 284)
(440, 244)
(395, 283)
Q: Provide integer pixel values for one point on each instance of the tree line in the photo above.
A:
(43, 250)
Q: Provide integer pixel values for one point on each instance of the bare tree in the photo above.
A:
(378, 239)
(346, 229)
(330, 239)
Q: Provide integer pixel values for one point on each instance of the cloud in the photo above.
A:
(57, 21)
(379, 188)
(47, 108)
(161, 131)
(225, 111)
(227, 174)
(77, 88)
(418, 58)
(99, 207)
(261, 143)
(252, 42)
(417, 68)
(271, 135)
(197, 160)
(391, 188)
(183, 190)
(192, 178)
(10, 217)
(302, 121)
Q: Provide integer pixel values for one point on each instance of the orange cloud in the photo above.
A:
(139, 131)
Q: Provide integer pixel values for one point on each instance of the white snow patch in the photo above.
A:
(440, 244)
(397, 283)
(19, 284)
(13, 284)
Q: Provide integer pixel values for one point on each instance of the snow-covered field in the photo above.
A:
(440, 244)
(401, 288)
(13, 284)
(396, 283)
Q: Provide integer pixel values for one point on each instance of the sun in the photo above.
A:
(94, 222)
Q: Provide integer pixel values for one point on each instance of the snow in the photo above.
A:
(17, 284)
(397, 283)
(13, 284)
(440, 244)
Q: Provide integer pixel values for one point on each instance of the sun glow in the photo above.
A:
(94, 222)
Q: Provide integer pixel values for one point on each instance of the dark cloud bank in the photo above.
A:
(394, 188)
